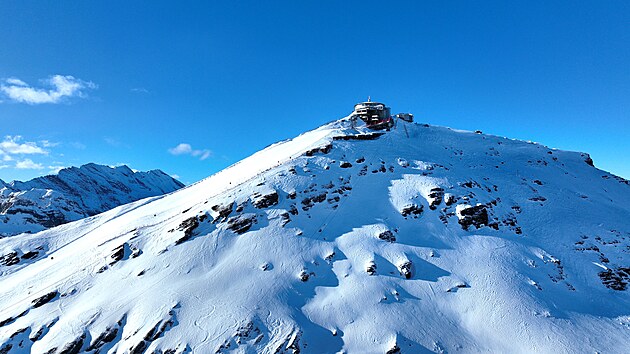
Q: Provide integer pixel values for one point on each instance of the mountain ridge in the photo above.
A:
(74, 193)
(421, 239)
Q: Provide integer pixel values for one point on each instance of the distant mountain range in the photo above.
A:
(75, 193)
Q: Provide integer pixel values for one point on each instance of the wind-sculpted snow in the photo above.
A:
(422, 239)
(75, 193)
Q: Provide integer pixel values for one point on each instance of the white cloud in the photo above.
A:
(13, 145)
(48, 143)
(55, 169)
(60, 87)
(16, 82)
(139, 90)
(78, 145)
(186, 149)
(115, 142)
(28, 164)
(181, 149)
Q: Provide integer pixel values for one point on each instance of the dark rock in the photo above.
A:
(41, 301)
(285, 218)
(223, 210)
(459, 285)
(188, 226)
(30, 255)
(38, 335)
(436, 195)
(405, 269)
(9, 320)
(292, 195)
(21, 330)
(9, 259)
(264, 201)
(360, 160)
(73, 347)
(345, 164)
(473, 215)
(158, 330)
(387, 236)
(319, 198)
(138, 348)
(369, 136)
(334, 199)
(371, 268)
(411, 209)
(241, 223)
(107, 336)
(538, 199)
(323, 149)
(304, 276)
(588, 160)
(616, 279)
(119, 253)
(6, 348)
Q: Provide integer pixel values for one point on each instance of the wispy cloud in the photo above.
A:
(186, 149)
(115, 142)
(60, 88)
(77, 145)
(48, 143)
(13, 145)
(28, 164)
(139, 90)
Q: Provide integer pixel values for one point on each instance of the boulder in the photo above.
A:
(472, 215)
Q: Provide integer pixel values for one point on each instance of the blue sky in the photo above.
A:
(192, 87)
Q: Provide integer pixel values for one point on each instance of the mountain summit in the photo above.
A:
(418, 239)
(75, 193)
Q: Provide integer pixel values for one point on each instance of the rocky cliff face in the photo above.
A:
(421, 239)
(75, 193)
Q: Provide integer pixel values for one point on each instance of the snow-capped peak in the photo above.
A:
(340, 240)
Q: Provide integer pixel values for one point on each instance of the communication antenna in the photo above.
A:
(369, 99)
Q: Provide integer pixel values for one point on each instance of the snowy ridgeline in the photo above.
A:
(75, 193)
(422, 239)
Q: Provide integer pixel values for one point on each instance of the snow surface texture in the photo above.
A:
(423, 239)
(75, 193)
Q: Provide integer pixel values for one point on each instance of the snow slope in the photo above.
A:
(75, 193)
(423, 239)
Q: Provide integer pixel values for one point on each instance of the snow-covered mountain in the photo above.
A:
(421, 239)
(75, 193)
